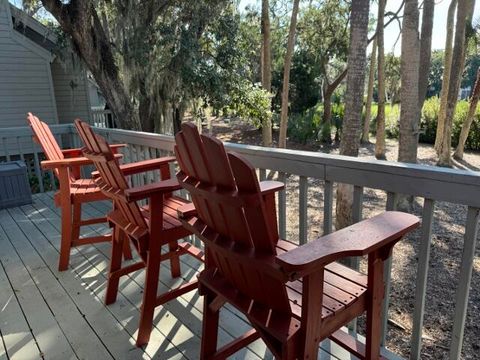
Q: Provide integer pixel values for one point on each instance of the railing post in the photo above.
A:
(422, 274)
(302, 210)
(387, 273)
(461, 301)
(356, 217)
(327, 207)
(282, 208)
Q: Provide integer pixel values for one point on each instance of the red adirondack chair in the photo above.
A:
(294, 297)
(73, 190)
(149, 228)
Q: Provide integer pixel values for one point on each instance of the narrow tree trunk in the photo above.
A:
(380, 133)
(282, 139)
(469, 119)
(368, 104)
(352, 124)
(80, 21)
(458, 62)
(425, 50)
(410, 59)
(326, 116)
(447, 63)
(266, 69)
(327, 104)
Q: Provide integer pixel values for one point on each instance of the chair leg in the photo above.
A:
(374, 307)
(66, 240)
(149, 295)
(77, 218)
(127, 251)
(174, 260)
(209, 327)
(115, 264)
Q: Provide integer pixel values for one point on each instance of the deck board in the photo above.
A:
(61, 315)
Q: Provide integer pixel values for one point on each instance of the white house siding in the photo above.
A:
(25, 83)
(71, 92)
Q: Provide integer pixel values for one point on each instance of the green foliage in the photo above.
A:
(309, 127)
(249, 102)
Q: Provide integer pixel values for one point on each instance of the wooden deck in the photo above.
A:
(45, 314)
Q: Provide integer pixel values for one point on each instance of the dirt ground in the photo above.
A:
(446, 250)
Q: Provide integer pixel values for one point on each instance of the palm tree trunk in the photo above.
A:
(368, 104)
(469, 119)
(266, 69)
(410, 59)
(351, 130)
(282, 138)
(458, 62)
(425, 50)
(447, 63)
(380, 133)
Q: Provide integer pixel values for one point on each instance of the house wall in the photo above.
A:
(71, 91)
(25, 82)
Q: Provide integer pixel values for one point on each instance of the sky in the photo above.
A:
(392, 31)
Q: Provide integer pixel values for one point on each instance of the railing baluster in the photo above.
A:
(387, 271)
(461, 301)
(38, 171)
(356, 217)
(328, 207)
(303, 210)
(282, 208)
(422, 274)
(263, 174)
(5, 149)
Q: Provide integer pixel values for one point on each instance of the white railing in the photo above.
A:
(102, 118)
(320, 173)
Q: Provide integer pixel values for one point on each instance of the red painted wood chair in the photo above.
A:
(293, 296)
(73, 190)
(148, 228)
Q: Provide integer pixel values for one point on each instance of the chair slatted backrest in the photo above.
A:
(227, 197)
(45, 138)
(112, 182)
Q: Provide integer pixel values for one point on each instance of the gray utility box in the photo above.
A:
(14, 186)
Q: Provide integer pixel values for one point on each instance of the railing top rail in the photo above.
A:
(19, 131)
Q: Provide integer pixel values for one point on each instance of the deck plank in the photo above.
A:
(17, 340)
(118, 343)
(47, 305)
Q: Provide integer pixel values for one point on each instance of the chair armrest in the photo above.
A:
(186, 211)
(69, 162)
(72, 152)
(77, 152)
(145, 191)
(146, 165)
(115, 147)
(268, 187)
(362, 238)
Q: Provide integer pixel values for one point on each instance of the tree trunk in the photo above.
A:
(447, 63)
(380, 133)
(327, 104)
(266, 69)
(410, 59)
(351, 130)
(368, 105)
(456, 70)
(469, 119)
(282, 139)
(80, 21)
(425, 50)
